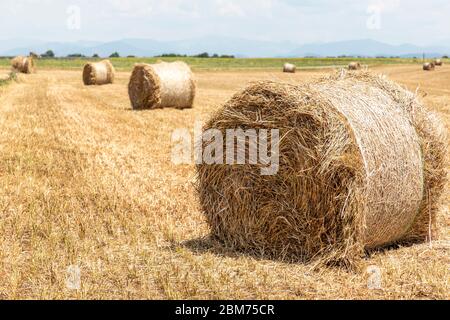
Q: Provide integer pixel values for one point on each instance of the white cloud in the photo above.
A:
(295, 20)
(386, 5)
(229, 8)
(131, 7)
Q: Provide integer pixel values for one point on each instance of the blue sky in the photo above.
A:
(392, 21)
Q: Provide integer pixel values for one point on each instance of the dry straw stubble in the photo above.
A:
(361, 167)
(162, 85)
(98, 73)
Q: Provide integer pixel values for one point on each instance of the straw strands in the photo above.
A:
(23, 64)
(162, 85)
(361, 167)
(98, 73)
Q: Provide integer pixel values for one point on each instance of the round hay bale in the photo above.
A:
(23, 64)
(354, 66)
(98, 73)
(361, 167)
(162, 85)
(434, 143)
(438, 62)
(34, 55)
(289, 68)
(428, 66)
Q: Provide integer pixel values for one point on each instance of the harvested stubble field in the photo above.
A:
(86, 181)
(4, 77)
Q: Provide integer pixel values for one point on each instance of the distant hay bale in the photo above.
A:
(162, 85)
(429, 66)
(354, 66)
(289, 68)
(23, 64)
(362, 165)
(438, 62)
(98, 73)
(34, 55)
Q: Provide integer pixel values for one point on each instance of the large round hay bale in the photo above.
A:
(289, 68)
(354, 66)
(428, 66)
(162, 85)
(361, 167)
(23, 64)
(438, 62)
(98, 73)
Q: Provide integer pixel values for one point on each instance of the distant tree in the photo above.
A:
(445, 57)
(171, 55)
(115, 55)
(131, 56)
(48, 54)
(75, 55)
(202, 55)
(95, 56)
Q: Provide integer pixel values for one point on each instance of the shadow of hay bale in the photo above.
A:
(210, 245)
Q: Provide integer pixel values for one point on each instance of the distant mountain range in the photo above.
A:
(221, 45)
